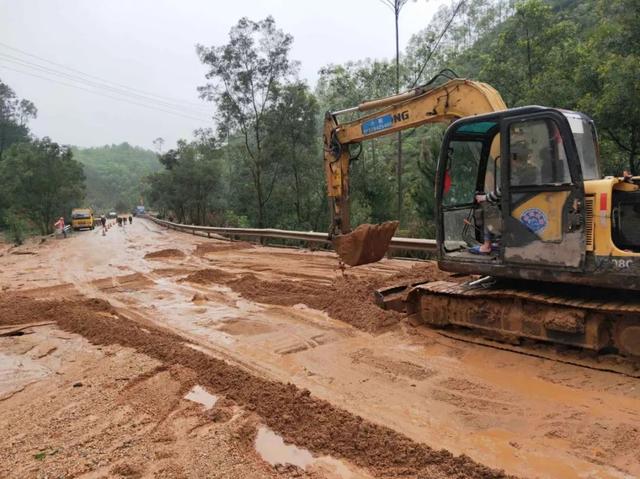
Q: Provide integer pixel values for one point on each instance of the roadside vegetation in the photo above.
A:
(261, 163)
(39, 179)
(114, 175)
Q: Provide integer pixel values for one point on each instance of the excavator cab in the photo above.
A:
(526, 161)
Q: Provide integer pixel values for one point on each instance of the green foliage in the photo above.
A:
(572, 54)
(247, 75)
(532, 58)
(292, 139)
(42, 181)
(14, 116)
(609, 78)
(235, 221)
(16, 227)
(191, 185)
(115, 175)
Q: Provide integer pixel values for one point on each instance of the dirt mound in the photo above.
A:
(204, 248)
(348, 300)
(170, 271)
(293, 413)
(207, 276)
(165, 253)
(199, 298)
(20, 309)
(418, 273)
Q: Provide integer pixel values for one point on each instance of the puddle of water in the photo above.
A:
(202, 396)
(272, 449)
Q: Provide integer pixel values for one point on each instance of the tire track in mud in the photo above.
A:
(292, 412)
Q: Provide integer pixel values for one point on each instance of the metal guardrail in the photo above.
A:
(397, 243)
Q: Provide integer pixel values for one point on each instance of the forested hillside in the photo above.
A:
(261, 163)
(39, 179)
(115, 175)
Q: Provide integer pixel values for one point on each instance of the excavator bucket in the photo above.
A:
(366, 244)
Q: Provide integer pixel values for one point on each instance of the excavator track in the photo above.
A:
(513, 312)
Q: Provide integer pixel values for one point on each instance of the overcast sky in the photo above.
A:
(148, 45)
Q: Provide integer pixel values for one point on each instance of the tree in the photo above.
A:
(609, 76)
(114, 174)
(293, 137)
(533, 59)
(122, 207)
(190, 186)
(247, 74)
(42, 181)
(397, 6)
(158, 143)
(14, 116)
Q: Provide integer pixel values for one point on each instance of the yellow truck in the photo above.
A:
(82, 218)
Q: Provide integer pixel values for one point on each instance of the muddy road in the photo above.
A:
(198, 358)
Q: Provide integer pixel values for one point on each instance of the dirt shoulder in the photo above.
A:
(299, 417)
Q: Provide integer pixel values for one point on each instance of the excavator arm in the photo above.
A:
(430, 103)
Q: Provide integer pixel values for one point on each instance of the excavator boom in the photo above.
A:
(430, 103)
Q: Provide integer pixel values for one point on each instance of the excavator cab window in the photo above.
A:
(464, 160)
(537, 154)
(586, 139)
(472, 157)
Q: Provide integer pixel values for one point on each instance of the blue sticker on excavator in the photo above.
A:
(377, 124)
(535, 219)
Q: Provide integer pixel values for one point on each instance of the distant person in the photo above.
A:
(59, 225)
(130, 219)
(119, 221)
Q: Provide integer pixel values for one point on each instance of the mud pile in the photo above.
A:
(19, 309)
(204, 248)
(349, 300)
(207, 276)
(165, 253)
(293, 413)
(419, 273)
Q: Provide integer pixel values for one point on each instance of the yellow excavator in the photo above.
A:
(521, 202)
